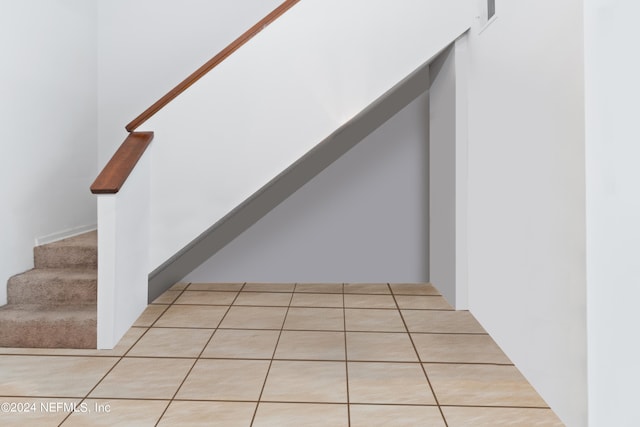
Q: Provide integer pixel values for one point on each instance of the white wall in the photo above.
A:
(146, 47)
(48, 123)
(613, 210)
(442, 171)
(276, 98)
(527, 194)
(363, 219)
(448, 182)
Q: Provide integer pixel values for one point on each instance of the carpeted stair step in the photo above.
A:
(75, 252)
(47, 286)
(54, 305)
(48, 326)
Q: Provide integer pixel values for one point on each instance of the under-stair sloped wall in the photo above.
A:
(267, 105)
(365, 218)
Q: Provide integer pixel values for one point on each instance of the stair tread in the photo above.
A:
(28, 312)
(53, 273)
(53, 287)
(50, 326)
(88, 240)
(75, 252)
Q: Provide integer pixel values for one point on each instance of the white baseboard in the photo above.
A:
(65, 234)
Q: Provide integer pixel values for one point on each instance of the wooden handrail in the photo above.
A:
(115, 173)
(212, 63)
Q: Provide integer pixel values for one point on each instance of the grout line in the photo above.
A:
(469, 363)
(286, 329)
(498, 407)
(307, 306)
(420, 360)
(157, 399)
(451, 333)
(346, 355)
(273, 355)
(308, 330)
(198, 357)
(284, 359)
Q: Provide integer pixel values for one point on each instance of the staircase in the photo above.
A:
(54, 304)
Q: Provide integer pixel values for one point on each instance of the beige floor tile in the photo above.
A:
(423, 302)
(269, 287)
(192, 316)
(214, 379)
(373, 346)
(374, 320)
(400, 383)
(458, 349)
(481, 385)
(150, 315)
(142, 378)
(500, 417)
(306, 382)
(211, 414)
(51, 376)
(264, 299)
(206, 298)
(316, 300)
(413, 289)
(170, 342)
(254, 318)
(125, 343)
(395, 416)
(230, 287)
(305, 345)
(461, 322)
(369, 301)
(326, 319)
(320, 288)
(366, 288)
(179, 286)
(301, 414)
(27, 411)
(167, 298)
(112, 412)
(242, 344)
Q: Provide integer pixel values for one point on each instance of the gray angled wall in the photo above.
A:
(363, 219)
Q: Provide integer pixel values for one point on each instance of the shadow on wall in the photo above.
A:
(363, 219)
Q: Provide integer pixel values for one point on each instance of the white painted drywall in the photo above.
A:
(527, 194)
(146, 47)
(276, 98)
(123, 254)
(448, 173)
(48, 118)
(363, 219)
(613, 210)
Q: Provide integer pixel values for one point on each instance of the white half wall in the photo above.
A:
(123, 254)
(272, 101)
(48, 119)
(363, 219)
(613, 210)
(527, 280)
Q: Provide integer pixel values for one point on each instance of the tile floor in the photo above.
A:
(331, 355)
